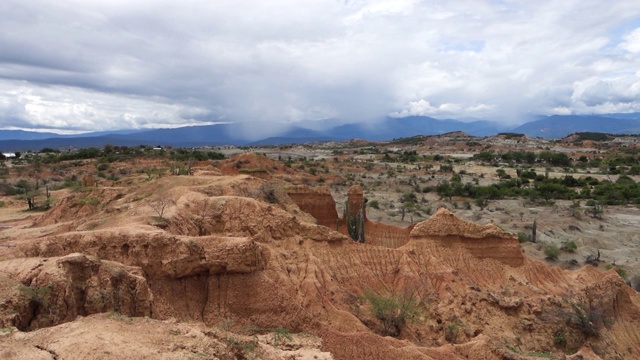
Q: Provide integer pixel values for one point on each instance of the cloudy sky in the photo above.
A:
(81, 65)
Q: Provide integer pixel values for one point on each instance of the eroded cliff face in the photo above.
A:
(445, 234)
(228, 250)
(47, 291)
(319, 203)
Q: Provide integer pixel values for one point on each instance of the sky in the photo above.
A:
(94, 65)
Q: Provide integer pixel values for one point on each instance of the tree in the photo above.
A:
(29, 193)
(160, 204)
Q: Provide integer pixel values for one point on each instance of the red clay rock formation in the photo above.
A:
(355, 201)
(386, 235)
(51, 291)
(444, 223)
(318, 202)
(449, 235)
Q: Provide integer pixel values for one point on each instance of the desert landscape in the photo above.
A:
(431, 247)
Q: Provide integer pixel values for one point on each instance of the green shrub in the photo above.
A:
(103, 167)
(569, 246)
(451, 333)
(393, 310)
(523, 237)
(622, 272)
(279, 334)
(252, 170)
(559, 338)
(36, 294)
(374, 204)
(552, 252)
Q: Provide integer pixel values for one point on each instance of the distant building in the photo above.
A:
(9, 155)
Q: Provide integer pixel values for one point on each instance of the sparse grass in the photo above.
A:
(119, 316)
(141, 197)
(87, 201)
(622, 272)
(541, 354)
(514, 349)
(279, 334)
(37, 294)
(252, 170)
(559, 338)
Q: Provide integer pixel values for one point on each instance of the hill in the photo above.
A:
(556, 126)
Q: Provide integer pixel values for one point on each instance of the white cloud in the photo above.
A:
(102, 64)
(33, 106)
(632, 41)
(424, 108)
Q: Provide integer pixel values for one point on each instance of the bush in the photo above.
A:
(569, 246)
(523, 237)
(622, 272)
(585, 318)
(374, 204)
(559, 338)
(103, 167)
(451, 333)
(552, 252)
(393, 310)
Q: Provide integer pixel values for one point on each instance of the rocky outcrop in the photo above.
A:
(117, 336)
(318, 202)
(50, 291)
(448, 235)
(390, 236)
(160, 255)
(444, 223)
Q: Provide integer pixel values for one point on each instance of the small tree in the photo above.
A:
(585, 318)
(29, 193)
(160, 204)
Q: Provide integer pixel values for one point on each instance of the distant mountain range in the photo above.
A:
(556, 126)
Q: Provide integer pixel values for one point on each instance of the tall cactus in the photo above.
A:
(534, 230)
(355, 223)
